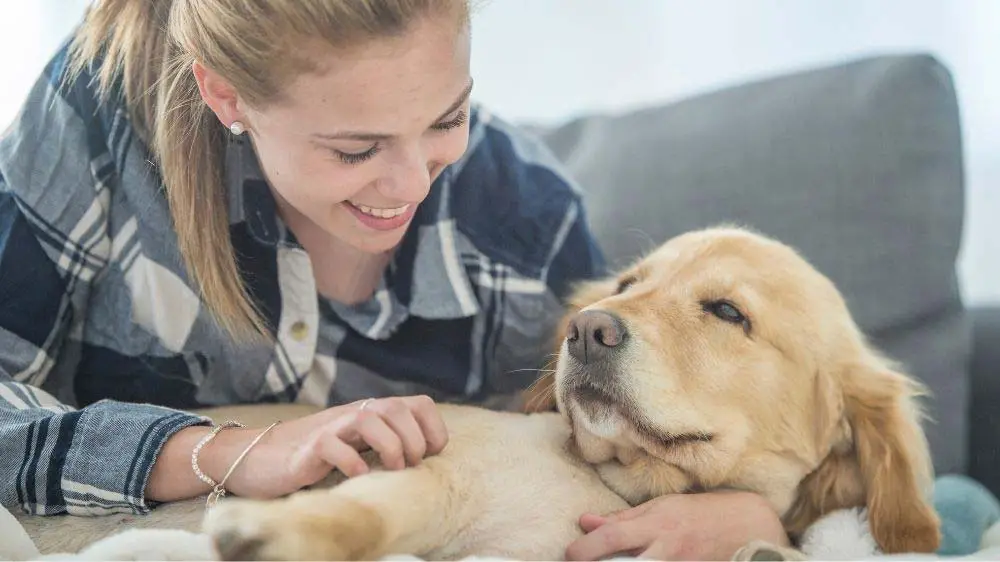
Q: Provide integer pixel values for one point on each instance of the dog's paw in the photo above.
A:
(294, 529)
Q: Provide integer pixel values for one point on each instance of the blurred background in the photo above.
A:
(547, 61)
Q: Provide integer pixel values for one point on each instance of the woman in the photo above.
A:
(219, 201)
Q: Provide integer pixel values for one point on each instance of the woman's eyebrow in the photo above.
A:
(459, 101)
(374, 137)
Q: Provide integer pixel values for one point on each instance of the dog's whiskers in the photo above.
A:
(541, 397)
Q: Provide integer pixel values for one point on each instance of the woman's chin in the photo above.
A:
(374, 243)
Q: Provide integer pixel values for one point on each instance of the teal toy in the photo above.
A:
(967, 509)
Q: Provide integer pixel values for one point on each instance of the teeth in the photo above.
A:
(381, 213)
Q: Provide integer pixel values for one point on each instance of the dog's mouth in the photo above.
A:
(609, 412)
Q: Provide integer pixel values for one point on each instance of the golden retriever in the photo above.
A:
(721, 360)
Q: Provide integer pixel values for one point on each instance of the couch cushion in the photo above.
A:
(859, 166)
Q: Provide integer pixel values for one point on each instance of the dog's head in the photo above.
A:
(725, 354)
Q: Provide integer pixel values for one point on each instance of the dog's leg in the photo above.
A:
(413, 511)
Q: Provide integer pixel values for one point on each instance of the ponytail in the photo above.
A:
(191, 143)
(130, 38)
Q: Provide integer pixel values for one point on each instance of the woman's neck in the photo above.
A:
(343, 273)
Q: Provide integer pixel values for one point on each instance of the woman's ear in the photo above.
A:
(878, 457)
(541, 396)
(217, 94)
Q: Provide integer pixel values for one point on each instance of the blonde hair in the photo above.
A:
(147, 47)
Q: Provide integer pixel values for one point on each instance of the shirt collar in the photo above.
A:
(426, 277)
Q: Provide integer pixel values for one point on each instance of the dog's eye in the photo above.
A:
(624, 284)
(727, 311)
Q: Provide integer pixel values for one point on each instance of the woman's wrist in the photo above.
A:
(173, 478)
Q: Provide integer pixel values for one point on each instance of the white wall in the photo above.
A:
(548, 60)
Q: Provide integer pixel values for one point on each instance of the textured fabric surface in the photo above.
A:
(858, 166)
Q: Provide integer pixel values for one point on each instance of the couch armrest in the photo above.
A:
(984, 407)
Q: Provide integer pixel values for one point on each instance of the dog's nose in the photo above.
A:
(592, 334)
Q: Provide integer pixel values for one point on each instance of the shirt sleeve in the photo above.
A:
(55, 458)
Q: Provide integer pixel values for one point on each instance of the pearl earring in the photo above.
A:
(236, 128)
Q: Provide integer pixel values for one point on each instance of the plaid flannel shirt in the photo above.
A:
(104, 342)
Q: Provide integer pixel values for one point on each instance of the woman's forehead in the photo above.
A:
(387, 86)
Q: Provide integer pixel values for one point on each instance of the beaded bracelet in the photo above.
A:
(204, 441)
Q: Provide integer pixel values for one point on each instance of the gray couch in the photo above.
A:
(860, 167)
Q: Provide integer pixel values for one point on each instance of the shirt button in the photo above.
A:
(299, 330)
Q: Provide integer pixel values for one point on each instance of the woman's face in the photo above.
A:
(351, 151)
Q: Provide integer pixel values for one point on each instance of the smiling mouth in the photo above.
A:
(380, 213)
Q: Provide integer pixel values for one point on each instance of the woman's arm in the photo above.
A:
(704, 526)
(54, 458)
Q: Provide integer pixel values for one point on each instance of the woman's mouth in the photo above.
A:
(381, 218)
(382, 213)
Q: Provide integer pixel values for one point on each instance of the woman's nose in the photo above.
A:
(411, 174)
(409, 179)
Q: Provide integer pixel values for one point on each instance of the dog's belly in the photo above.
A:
(534, 489)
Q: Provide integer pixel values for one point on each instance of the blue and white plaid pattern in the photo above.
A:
(99, 321)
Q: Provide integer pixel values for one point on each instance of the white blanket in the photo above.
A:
(842, 535)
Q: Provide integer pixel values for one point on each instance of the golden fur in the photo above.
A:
(777, 392)
(802, 409)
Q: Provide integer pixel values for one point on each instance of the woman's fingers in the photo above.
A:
(402, 430)
(609, 539)
(373, 430)
(338, 444)
(590, 521)
(402, 420)
(428, 417)
(330, 449)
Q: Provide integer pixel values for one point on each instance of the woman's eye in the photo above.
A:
(454, 123)
(357, 157)
(727, 311)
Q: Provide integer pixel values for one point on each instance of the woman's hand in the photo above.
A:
(706, 526)
(402, 430)
(298, 453)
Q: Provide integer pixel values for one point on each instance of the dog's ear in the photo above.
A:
(877, 456)
(541, 396)
(893, 456)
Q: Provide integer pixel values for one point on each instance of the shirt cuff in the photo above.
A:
(114, 447)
